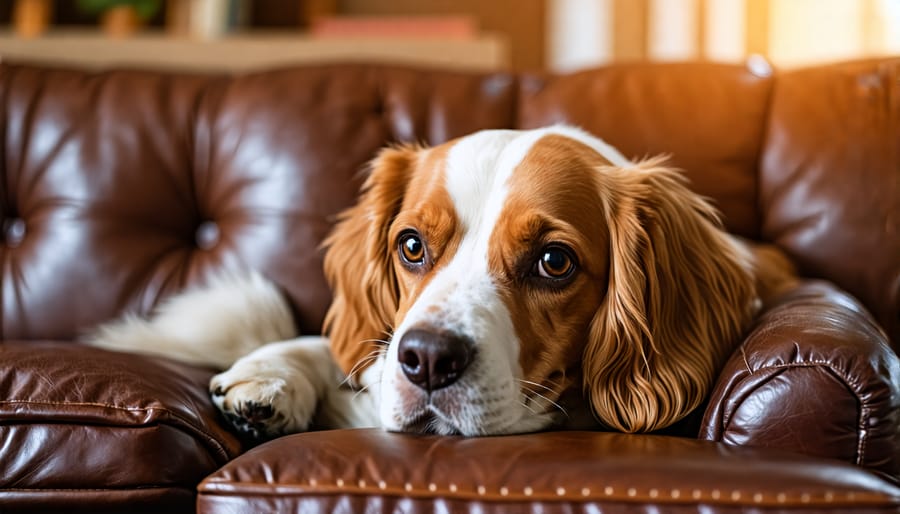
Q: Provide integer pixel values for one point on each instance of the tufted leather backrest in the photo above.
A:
(119, 188)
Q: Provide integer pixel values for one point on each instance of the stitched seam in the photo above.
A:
(861, 433)
(90, 489)
(218, 447)
(83, 404)
(850, 498)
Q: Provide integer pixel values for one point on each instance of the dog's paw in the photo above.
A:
(263, 404)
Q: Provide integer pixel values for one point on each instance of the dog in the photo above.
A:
(503, 282)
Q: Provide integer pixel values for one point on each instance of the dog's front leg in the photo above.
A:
(287, 387)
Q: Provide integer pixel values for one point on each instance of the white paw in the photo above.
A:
(263, 400)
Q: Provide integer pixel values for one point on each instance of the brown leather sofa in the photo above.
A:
(120, 188)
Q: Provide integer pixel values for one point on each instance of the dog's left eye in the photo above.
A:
(556, 262)
(412, 250)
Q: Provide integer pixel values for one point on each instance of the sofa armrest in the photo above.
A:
(817, 376)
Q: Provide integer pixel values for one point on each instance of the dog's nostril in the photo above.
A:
(409, 362)
(448, 365)
(409, 358)
(433, 360)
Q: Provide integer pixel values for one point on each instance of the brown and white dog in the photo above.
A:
(499, 283)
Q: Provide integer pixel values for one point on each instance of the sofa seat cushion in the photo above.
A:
(370, 470)
(99, 429)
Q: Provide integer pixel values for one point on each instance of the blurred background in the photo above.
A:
(556, 35)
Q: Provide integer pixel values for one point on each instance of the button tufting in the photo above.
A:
(14, 231)
(207, 235)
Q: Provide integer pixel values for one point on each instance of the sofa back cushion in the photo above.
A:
(830, 179)
(120, 188)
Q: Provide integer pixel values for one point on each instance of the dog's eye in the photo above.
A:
(412, 250)
(556, 262)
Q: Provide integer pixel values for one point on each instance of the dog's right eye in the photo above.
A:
(412, 250)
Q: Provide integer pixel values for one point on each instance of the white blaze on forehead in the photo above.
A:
(478, 169)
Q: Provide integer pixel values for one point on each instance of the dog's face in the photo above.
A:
(495, 249)
(510, 268)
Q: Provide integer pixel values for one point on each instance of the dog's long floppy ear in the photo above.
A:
(679, 295)
(358, 263)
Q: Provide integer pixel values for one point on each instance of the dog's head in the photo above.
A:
(494, 273)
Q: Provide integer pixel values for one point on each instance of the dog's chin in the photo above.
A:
(446, 412)
(430, 422)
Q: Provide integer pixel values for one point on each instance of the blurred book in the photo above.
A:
(206, 19)
(444, 27)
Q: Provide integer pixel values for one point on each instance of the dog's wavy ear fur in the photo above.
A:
(680, 293)
(359, 265)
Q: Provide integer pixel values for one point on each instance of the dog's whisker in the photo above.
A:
(525, 404)
(361, 390)
(542, 386)
(548, 400)
(357, 369)
(375, 340)
(373, 356)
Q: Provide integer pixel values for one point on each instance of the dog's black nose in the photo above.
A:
(433, 360)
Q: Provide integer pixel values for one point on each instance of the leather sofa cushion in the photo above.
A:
(370, 470)
(102, 428)
(830, 179)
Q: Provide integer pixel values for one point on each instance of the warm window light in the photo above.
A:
(787, 33)
(811, 31)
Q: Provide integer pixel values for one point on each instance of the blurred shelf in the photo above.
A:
(247, 52)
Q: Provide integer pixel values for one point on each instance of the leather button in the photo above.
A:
(14, 231)
(207, 235)
(759, 66)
